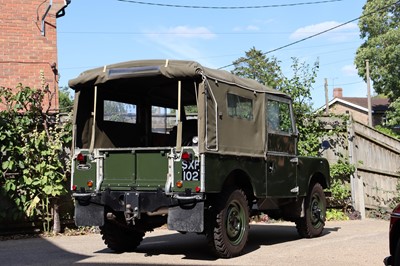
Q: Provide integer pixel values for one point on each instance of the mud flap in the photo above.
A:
(188, 218)
(89, 215)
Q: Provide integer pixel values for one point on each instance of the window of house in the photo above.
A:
(240, 107)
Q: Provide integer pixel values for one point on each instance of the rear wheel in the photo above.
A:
(119, 237)
(229, 229)
(313, 222)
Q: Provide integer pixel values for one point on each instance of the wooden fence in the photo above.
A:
(376, 158)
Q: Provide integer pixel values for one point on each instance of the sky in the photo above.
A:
(95, 33)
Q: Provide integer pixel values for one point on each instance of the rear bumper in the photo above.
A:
(91, 209)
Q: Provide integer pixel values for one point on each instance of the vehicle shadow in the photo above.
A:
(195, 247)
(36, 251)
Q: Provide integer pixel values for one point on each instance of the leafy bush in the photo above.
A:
(34, 165)
(336, 215)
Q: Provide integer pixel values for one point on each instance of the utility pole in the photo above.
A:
(369, 94)
(326, 97)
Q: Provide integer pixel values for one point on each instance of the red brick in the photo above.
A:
(25, 51)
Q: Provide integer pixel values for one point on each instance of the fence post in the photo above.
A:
(356, 181)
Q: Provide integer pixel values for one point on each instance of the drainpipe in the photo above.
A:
(44, 17)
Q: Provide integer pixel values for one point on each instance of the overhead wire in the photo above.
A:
(228, 7)
(319, 33)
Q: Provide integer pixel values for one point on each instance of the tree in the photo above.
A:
(299, 86)
(255, 65)
(64, 100)
(379, 27)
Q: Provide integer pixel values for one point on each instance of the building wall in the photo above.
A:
(357, 114)
(25, 51)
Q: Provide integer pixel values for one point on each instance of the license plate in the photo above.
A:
(191, 170)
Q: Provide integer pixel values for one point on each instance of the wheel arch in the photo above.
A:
(318, 177)
(240, 179)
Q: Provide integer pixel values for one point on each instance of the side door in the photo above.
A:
(281, 154)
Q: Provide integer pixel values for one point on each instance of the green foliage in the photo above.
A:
(381, 33)
(340, 184)
(388, 131)
(392, 123)
(255, 65)
(299, 87)
(336, 215)
(34, 165)
(340, 191)
(64, 100)
(342, 170)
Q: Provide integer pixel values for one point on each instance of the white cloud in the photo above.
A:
(181, 42)
(349, 70)
(247, 28)
(185, 32)
(339, 34)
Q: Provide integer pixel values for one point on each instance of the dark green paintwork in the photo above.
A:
(152, 169)
(218, 168)
(119, 169)
(81, 177)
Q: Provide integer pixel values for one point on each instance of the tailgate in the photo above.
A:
(142, 169)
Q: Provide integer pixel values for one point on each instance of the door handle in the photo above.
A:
(271, 167)
(295, 160)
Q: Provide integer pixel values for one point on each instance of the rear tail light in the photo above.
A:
(186, 156)
(81, 158)
(90, 183)
(179, 184)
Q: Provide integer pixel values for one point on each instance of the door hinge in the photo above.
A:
(295, 160)
(295, 190)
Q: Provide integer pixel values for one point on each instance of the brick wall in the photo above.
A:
(357, 114)
(25, 52)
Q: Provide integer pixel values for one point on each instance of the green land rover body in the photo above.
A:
(172, 142)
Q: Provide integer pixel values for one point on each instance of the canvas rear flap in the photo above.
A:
(234, 135)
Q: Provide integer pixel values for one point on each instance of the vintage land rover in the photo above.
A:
(172, 142)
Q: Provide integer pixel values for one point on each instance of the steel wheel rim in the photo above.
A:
(235, 222)
(317, 216)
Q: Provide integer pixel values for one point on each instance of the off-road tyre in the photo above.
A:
(120, 238)
(228, 227)
(313, 222)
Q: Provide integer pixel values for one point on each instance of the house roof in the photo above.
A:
(378, 104)
(361, 103)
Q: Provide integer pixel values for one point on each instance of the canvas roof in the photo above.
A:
(173, 69)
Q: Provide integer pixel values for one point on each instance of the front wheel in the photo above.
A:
(313, 222)
(229, 231)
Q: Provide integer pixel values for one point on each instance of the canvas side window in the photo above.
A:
(119, 112)
(162, 119)
(279, 118)
(240, 107)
